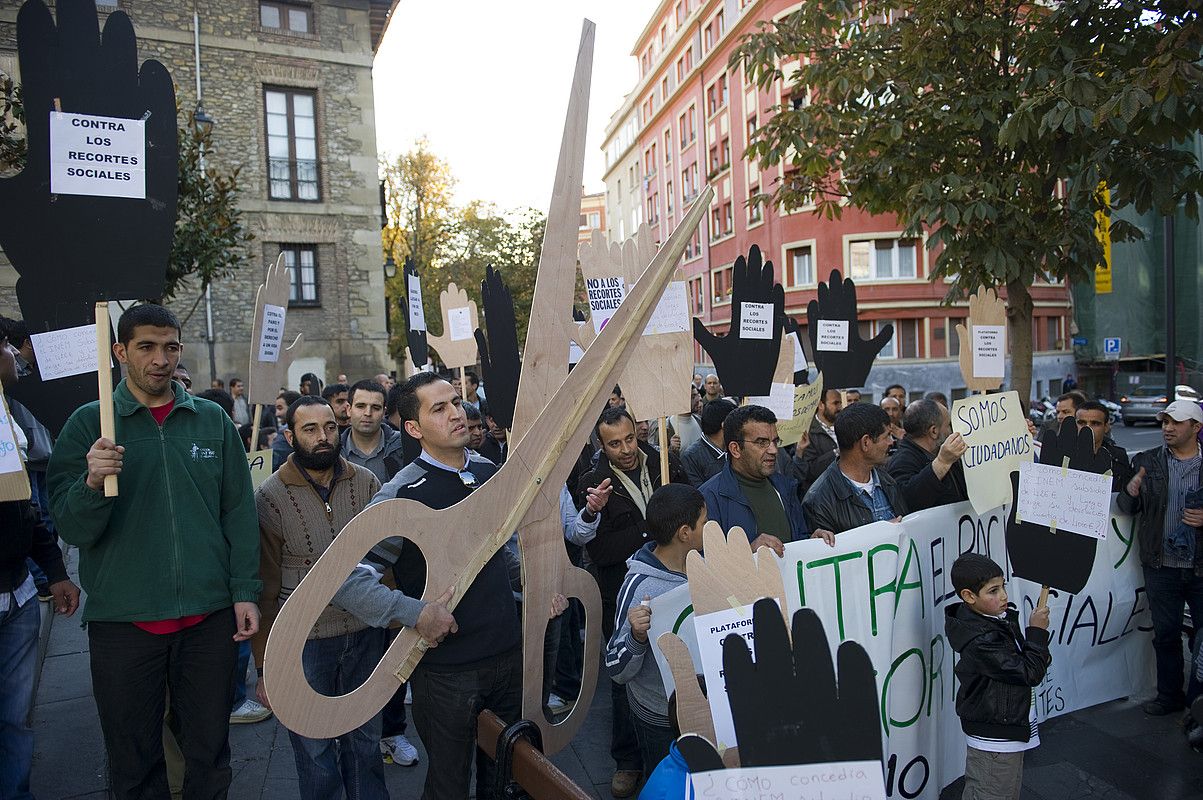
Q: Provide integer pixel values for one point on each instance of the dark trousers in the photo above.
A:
(446, 704)
(624, 747)
(393, 715)
(132, 671)
(1169, 589)
(570, 655)
(654, 741)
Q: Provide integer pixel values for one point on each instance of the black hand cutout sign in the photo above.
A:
(745, 365)
(73, 250)
(837, 302)
(499, 360)
(416, 339)
(1062, 560)
(788, 706)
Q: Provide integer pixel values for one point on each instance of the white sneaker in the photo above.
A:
(249, 711)
(397, 750)
(557, 704)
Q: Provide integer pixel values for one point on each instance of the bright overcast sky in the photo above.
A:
(487, 83)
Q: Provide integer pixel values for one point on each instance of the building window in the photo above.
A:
(728, 218)
(906, 335)
(755, 209)
(681, 13)
(284, 17)
(799, 267)
(716, 96)
(881, 259)
(291, 144)
(716, 222)
(871, 327)
(668, 195)
(720, 284)
(668, 146)
(653, 208)
(950, 335)
(751, 130)
(696, 297)
(1052, 333)
(301, 260)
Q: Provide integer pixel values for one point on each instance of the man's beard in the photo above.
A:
(316, 461)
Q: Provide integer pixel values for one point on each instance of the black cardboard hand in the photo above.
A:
(1062, 560)
(788, 706)
(416, 339)
(499, 359)
(837, 301)
(745, 366)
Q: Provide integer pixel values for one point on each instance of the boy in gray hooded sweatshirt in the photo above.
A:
(675, 516)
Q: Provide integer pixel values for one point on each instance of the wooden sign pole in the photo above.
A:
(104, 382)
(463, 384)
(257, 411)
(663, 451)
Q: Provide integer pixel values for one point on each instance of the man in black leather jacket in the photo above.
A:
(927, 463)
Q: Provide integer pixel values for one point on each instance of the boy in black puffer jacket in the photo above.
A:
(997, 671)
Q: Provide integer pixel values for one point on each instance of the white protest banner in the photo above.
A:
(10, 454)
(575, 353)
(605, 296)
(989, 350)
(711, 629)
(1064, 499)
(756, 320)
(832, 336)
(65, 352)
(886, 586)
(460, 322)
(672, 312)
(779, 400)
(799, 354)
(97, 156)
(417, 314)
(844, 780)
(272, 335)
(995, 431)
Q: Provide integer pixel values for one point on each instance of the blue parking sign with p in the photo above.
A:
(1111, 346)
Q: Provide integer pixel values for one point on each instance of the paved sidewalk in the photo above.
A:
(1110, 752)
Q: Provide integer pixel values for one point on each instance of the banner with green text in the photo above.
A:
(886, 585)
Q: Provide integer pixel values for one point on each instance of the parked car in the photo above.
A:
(1144, 403)
(1114, 411)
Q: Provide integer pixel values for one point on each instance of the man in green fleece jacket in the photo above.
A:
(170, 566)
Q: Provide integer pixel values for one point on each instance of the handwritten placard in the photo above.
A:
(1069, 500)
(989, 351)
(756, 320)
(65, 352)
(260, 463)
(841, 780)
(711, 629)
(779, 400)
(832, 336)
(460, 322)
(97, 156)
(672, 312)
(605, 296)
(997, 440)
(806, 401)
(800, 363)
(417, 314)
(272, 335)
(10, 453)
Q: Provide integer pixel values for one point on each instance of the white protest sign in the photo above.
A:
(711, 629)
(779, 400)
(756, 320)
(841, 780)
(575, 353)
(672, 312)
(272, 335)
(989, 351)
(886, 586)
(1064, 499)
(417, 314)
(460, 322)
(800, 362)
(97, 156)
(10, 453)
(65, 352)
(996, 435)
(832, 336)
(605, 296)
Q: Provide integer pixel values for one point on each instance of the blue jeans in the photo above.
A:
(1169, 589)
(18, 659)
(240, 666)
(352, 763)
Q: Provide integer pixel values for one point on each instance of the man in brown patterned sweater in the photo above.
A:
(302, 507)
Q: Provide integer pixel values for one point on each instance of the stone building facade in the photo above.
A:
(302, 70)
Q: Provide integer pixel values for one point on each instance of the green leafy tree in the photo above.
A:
(13, 148)
(977, 122)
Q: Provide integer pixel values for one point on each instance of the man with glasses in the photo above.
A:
(856, 489)
(475, 657)
(749, 491)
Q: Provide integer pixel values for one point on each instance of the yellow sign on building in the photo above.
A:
(1102, 272)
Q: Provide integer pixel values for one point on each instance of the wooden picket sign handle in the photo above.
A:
(257, 410)
(663, 451)
(104, 382)
(459, 541)
(1043, 601)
